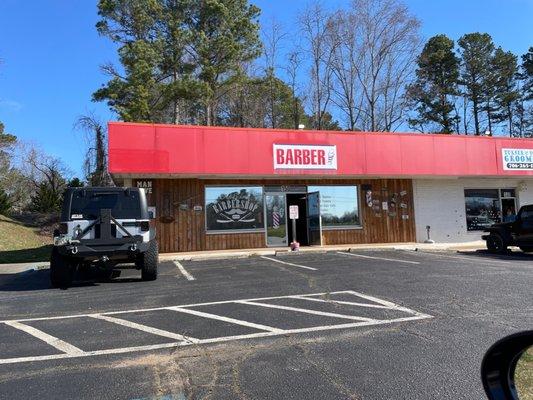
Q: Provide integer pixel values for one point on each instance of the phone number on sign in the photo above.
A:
(520, 165)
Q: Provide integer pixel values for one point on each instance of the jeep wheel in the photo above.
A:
(526, 249)
(61, 270)
(148, 262)
(495, 243)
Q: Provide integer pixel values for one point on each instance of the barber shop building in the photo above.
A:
(212, 188)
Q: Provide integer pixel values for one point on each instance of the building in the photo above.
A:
(228, 188)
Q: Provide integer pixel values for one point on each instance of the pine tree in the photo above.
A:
(476, 50)
(523, 109)
(437, 77)
(224, 35)
(527, 74)
(178, 57)
(503, 84)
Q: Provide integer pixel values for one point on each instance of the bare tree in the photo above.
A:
(375, 44)
(273, 37)
(292, 69)
(347, 95)
(95, 163)
(314, 30)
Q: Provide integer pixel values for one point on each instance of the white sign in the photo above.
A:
(146, 185)
(517, 159)
(293, 212)
(301, 156)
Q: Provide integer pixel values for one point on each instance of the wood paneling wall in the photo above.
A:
(181, 228)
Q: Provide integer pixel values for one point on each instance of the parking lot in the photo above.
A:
(362, 325)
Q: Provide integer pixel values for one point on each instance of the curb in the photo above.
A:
(17, 268)
(202, 256)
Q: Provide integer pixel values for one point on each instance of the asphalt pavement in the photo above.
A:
(386, 324)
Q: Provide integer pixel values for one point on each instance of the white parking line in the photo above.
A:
(210, 340)
(348, 303)
(184, 271)
(288, 263)
(377, 258)
(227, 319)
(60, 345)
(474, 259)
(70, 351)
(307, 311)
(145, 328)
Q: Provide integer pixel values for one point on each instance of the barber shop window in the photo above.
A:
(485, 207)
(339, 206)
(230, 209)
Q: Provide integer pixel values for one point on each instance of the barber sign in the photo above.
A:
(300, 156)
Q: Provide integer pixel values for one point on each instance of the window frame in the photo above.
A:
(500, 198)
(238, 230)
(359, 213)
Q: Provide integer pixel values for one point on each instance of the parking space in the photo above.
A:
(148, 329)
(332, 322)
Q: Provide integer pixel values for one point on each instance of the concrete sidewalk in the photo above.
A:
(22, 267)
(272, 251)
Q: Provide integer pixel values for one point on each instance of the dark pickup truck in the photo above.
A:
(517, 233)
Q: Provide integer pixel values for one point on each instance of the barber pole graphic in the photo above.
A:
(275, 217)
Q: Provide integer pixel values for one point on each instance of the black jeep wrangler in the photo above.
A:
(517, 233)
(101, 227)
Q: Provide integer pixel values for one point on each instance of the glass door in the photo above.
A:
(314, 221)
(276, 219)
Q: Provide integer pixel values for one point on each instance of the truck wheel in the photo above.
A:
(526, 249)
(61, 270)
(148, 262)
(495, 244)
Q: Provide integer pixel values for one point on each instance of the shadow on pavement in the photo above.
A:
(40, 280)
(509, 255)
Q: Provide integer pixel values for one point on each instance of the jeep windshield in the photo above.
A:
(122, 205)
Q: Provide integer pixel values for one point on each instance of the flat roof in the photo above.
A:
(157, 150)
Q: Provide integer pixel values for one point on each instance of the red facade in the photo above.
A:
(157, 150)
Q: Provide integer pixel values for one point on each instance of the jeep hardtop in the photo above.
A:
(101, 227)
(516, 233)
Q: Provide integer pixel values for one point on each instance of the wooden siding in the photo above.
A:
(181, 228)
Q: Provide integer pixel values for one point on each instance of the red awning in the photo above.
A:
(170, 150)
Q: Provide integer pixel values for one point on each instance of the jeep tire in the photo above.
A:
(496, 244)
(61, 270)
(147, 262)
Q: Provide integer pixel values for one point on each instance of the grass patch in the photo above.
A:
(22, 243)
(524, 376)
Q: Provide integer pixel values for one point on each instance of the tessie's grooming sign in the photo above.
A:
(302, 156)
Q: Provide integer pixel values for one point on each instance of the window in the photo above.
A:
(339, 206)
(234, 208)
(484, 207)
(122, 206)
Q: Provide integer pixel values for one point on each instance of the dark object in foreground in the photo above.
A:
(517, 233)
(101, 227)
(499, 365)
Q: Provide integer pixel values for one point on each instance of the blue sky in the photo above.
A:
(51, 54)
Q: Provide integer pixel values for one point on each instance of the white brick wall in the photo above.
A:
(440, 203)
